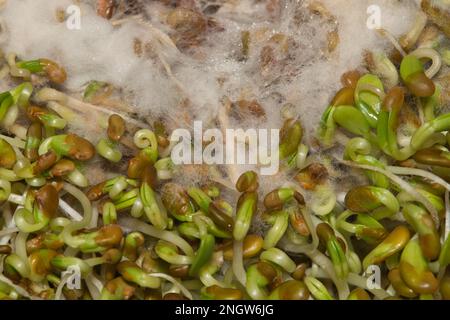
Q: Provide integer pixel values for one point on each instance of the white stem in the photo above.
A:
(238, 263)
(71, 212)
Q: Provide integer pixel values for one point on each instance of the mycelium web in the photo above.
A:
(289, 59)
(238, 64)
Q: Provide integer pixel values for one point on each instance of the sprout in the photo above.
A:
(245, 211)
(279, 258)
(383, 67)
(414, 269)
(413, 75)
(259, 276)
(380, 202)
(392, 244)
(290, 138)
(317, 289)
(279, 221)
(130, 271)
(358, 294)
(108, 150)
(203, 254)
(334, 248)
(51, 69)
(216, 292)
(369, 93)
(290, 290)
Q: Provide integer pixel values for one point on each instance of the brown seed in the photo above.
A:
(299, 198)
(47, 200)
(174, 296)
(272, 201)
(151, 265)
(394, 99)
(350, 79)
(110, 271)
(252, 106)
(292, 290)
(377, 234)
(105, 8)
(136, 166)
(119, 286)
(311, 176)
(420, 85)
(109, 236)
(267, 270)
(60, 15)
(333, 40)
(40, 261)
(433, 156)
(270, 273)
(247, 182)
(45, 162)
(359, 294)
(54, 72)
(188, 24)
(185, 19)
(300, 271)
(361, 199)
(324, 232)
(163, 142)
(175, 199)
(112, 256)
(267, 60)
(281, 41)
(344, 97)
(150, 176)
(116, 127)
(179, 271)
(430, 243)
(341, 243)
(445, 287)
(7, 155)
(393, 243)
(35, 243)
(96, 192)
(298, 223)
(251, 247)
(399, 285)
(211, 189)
(161, 135)
(219, 293)
(52, 241)
(5, 249)
(220, 217)
(46, 294)
(34, 132)
(124, 268)
(133, 242)
(62, 168)
(153, 295)
(80, 148)
(424, 283)
(34, 112)
(74, 294)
